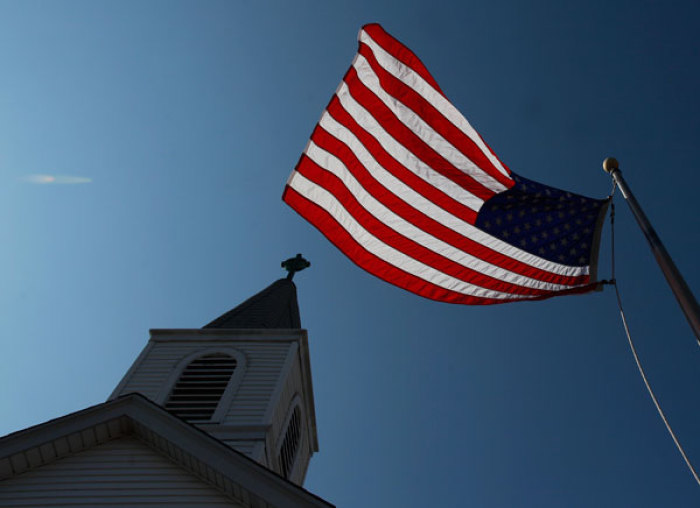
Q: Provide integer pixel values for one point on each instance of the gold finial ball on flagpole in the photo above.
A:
(609, 164)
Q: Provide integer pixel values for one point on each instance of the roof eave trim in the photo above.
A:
(240, 469)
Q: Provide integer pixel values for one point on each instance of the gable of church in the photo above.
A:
(120, 472)
(134, 446)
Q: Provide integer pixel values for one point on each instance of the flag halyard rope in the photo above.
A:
(613, 282)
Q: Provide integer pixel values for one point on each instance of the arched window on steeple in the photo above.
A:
(198, 391)
(290, 444)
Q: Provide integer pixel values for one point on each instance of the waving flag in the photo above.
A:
(400, 182)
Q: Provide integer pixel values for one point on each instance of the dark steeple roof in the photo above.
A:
(274, 307)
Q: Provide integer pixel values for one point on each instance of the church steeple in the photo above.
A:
(245, 378)
(274, 307)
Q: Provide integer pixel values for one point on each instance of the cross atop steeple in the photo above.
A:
(295, 264)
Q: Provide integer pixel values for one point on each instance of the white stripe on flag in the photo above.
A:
(397, 186)
(372, 244)
(437, 213)
(412, 79)
(332, 164)
(398, 179)
(423, 130)
(402, 154)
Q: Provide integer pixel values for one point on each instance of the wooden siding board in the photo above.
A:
(122, 472)
(293, 386)
(89, 438)
(75, 442)
(246, 447)
(248, 405)
(33, 458)
(19, 463)
(102, 432)
(62, 446)
(5, 468)
(47, 452)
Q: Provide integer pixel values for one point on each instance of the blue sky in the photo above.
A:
(171, 127)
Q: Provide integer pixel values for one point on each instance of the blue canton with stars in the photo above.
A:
(553, 224)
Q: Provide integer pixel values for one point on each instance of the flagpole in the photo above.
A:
(675, 280)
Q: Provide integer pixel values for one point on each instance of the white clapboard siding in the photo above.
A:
(292, 386)
(247, 447)
(291, 392)
(123, 472)
(302, 460)
(264, 361)
(265, 364)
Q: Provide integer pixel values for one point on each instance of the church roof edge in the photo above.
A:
(106, 421)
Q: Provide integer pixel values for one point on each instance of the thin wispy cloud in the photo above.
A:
(55, 179)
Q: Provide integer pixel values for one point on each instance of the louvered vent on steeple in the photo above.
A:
(197, 392)
(290, 444)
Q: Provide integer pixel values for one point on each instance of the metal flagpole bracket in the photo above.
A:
(675, 280)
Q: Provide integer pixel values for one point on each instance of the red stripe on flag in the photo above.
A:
(414, 101)
(384, 159)
(425, 223)
(335, 233)
(378, 229)
(398, 130)
(404, 194)
(401, 53)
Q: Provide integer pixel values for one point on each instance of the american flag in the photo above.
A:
(400, 182)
